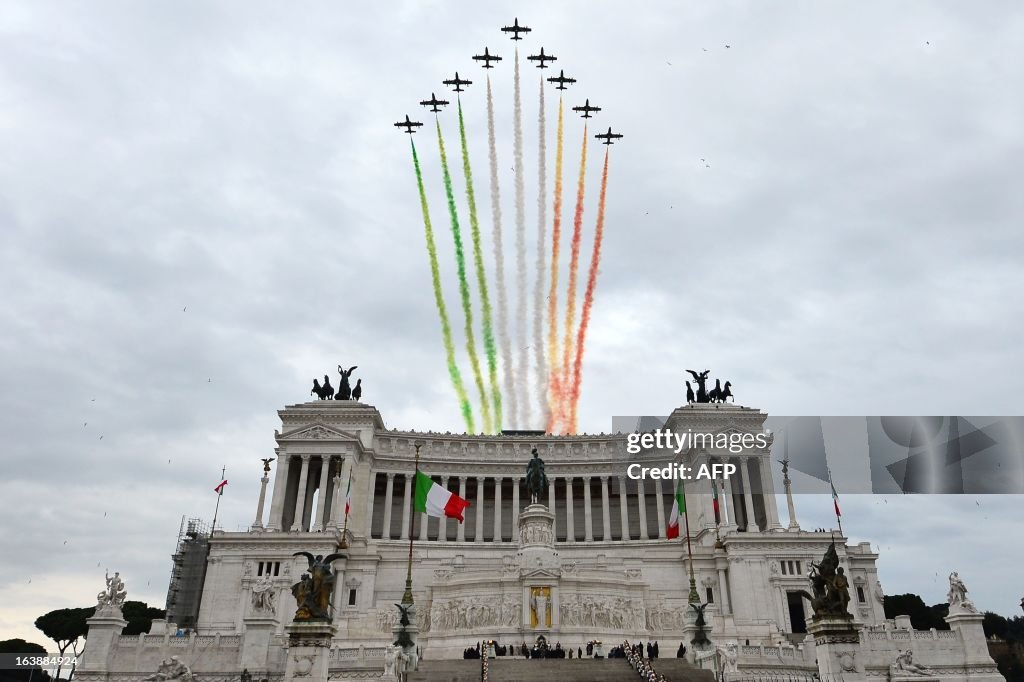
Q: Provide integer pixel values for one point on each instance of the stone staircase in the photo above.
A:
(554, 669)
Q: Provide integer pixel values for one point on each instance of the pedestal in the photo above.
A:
(309, 646)
(968, 625)
(539, 569)
(836, 643)
(259, 633)
(104, 629)
(692, 636)
(411, 659)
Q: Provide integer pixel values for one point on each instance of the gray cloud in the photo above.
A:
(204, 208)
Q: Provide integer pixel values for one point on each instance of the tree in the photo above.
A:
(922, 617)
(140, 616)
(65, 627)
(20, 646)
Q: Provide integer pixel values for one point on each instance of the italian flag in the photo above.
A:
(434, 500)
(835, 495)
(714, 500)
(678, 509)
(348, 496)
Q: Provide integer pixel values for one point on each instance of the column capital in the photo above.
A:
(390, 475)
(604, 479)
(305, 458)
(586, 478)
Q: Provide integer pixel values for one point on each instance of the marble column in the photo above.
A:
(479, 534)
(642, 505)
(623, 508)
(406, 507)
(258, 523)
(551, 500)
(300, 494)
(771, 509)
(588, 517)
(570, 520)
(442, 533)
(277, 499)
(723, 592)
(341, 488)
(728, 514)
(497, 509)
(321, 503)
(748, 497)
(516, 483)
(388, 497)
(460, 534)
(661, 508)
(606, 515)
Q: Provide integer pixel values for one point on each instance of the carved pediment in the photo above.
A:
(317, 432)
(540, 573)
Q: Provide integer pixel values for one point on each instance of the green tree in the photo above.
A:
(922, 616)
(140, 616)
(66, 627)
(20, 646)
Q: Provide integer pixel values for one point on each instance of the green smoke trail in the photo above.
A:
(460, 263)
(442, 313)
(481, 277)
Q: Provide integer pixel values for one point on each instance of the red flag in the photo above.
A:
(220, 487)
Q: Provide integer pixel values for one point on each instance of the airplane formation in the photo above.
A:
(541, 59)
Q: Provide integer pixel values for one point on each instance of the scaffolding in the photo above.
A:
(188, 572)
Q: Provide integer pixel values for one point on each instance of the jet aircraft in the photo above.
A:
(586, 109)
(410, 126)
(515, 29)
(542, 59)
(434, 103)
(487, 58)
(609, 137)
(561, 79)
(457, 82)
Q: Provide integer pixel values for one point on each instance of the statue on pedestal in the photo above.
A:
(404, 639)
(830, 586)
(344, 389)
(313, 591)
(536, 479)
(701, 638)
(114, 595)
(957, 595)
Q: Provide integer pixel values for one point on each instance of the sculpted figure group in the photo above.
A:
(263, 596)
(610, 612)
(957, 595)
(831, 588)
(313, 591)
(115, 593)
(474, 612)
(345, 392)
(719, 394)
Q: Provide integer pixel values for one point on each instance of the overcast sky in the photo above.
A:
(204, 205)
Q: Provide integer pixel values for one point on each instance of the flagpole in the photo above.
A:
(835, 503)
(718, 515)
(407, 596)
(344, 529)
(694, 598)
(220, 493)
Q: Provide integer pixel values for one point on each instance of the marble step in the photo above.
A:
(546, 670)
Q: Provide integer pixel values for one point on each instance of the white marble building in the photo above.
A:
(612, 573)
(592, 563)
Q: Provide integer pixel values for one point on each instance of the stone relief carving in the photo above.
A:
(661, 617)
(536, 533)
(570, 568)
(633, 573)
(263, 596)
(615, 612)
(474, 612)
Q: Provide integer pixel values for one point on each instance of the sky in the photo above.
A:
(205, 205)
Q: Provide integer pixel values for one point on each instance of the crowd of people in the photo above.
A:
(634, 655)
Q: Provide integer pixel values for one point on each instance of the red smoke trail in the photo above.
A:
(570, 297)
(554, 386)
(588, 302)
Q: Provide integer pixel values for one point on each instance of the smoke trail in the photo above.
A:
(442, 312)
(556, 235)
(570, 297)
(523, 369)
(588, 300)
(538, 291)
(481, 278)
(508, 371)
(460, 263)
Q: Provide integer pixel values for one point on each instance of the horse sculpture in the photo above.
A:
(325, 392)
(344, 390)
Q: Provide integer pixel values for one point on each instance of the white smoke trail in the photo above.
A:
(523, 367)
(508, 371)
(538, 293)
